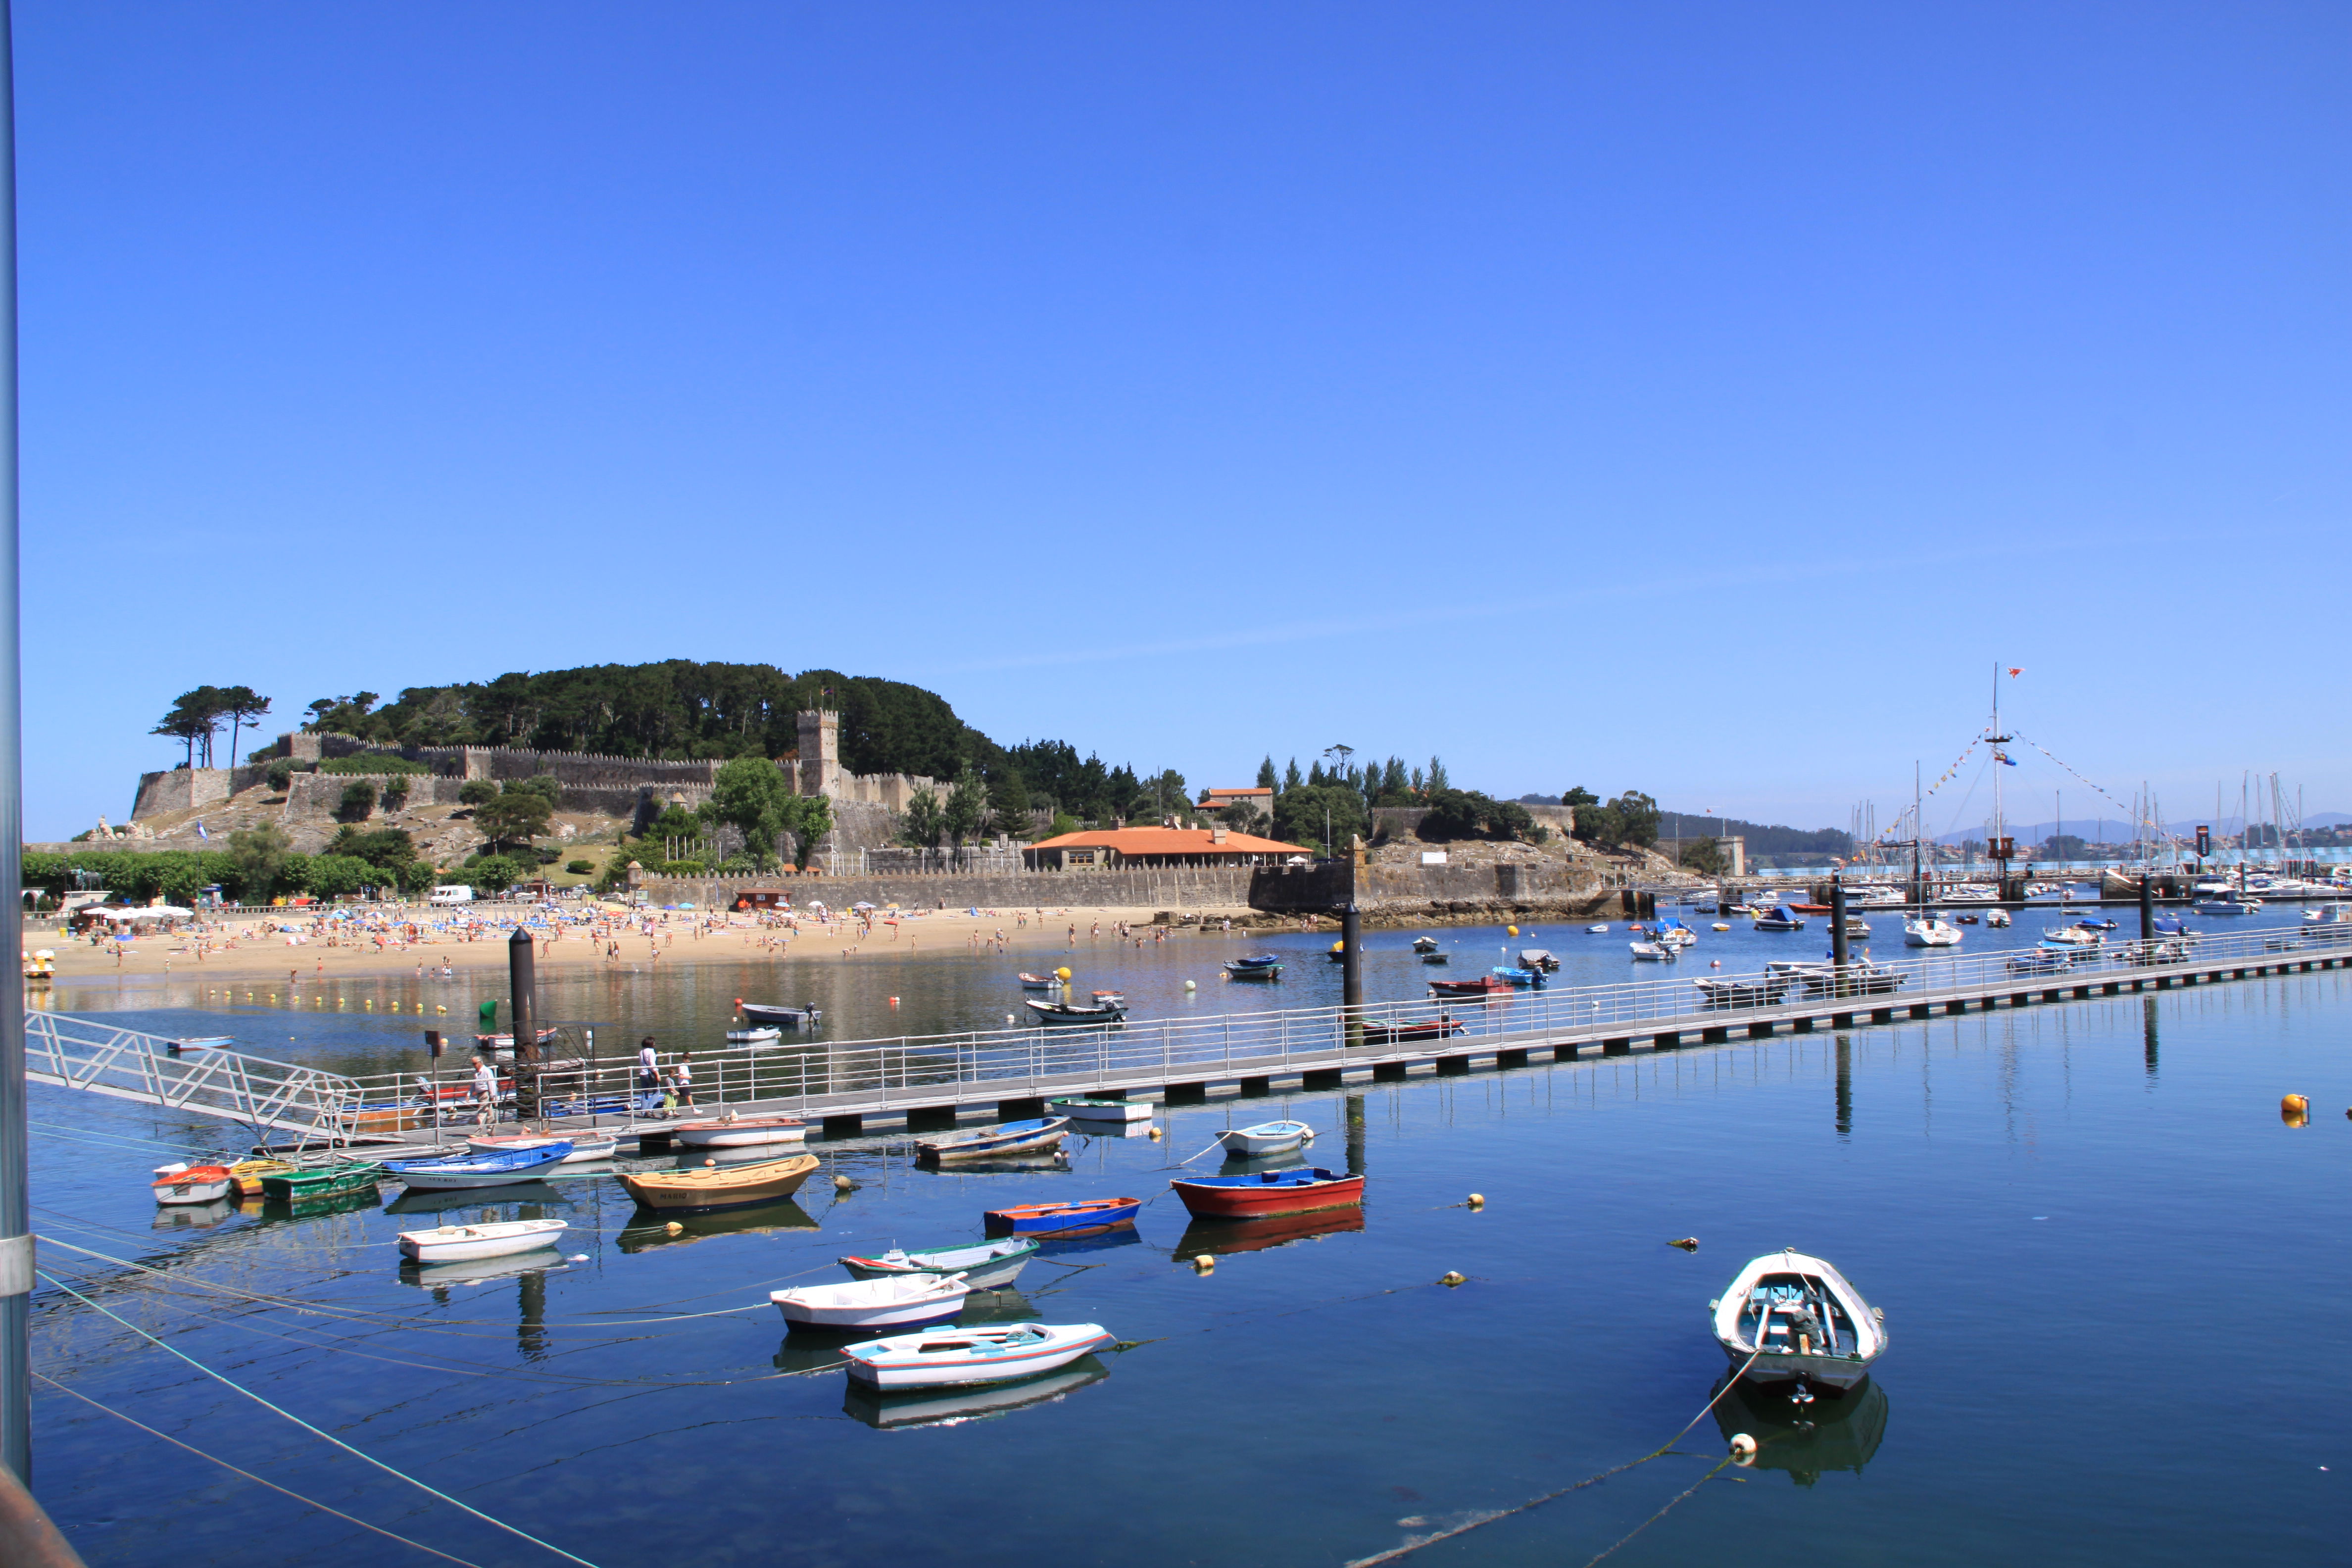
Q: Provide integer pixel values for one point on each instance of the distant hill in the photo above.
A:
(2107, 831)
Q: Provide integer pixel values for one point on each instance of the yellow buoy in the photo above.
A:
(1450, 1280)
(2295, 1105)
(1510, 930)
(675, 1228)
(1155, 1131)
(1062, 973)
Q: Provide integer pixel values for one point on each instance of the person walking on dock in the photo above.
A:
(486, 1091)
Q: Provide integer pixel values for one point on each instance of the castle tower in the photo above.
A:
(820, 768)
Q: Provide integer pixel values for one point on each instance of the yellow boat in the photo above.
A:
(244, 1176)
(718, 1186)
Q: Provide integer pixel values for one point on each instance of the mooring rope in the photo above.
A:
(248, 1475)
(1396, 1553)
(338, 1442)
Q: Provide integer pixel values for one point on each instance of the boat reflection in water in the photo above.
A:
(1250, 1164)
(1228, 1236)
(735, 1154)
(480, 1270)
(1038, 1165)
(1830, 1434)
(1097, 1239)
(193, 1217)
(1110, 1131)
(953, 1406)
(994, 1307)
(532, 1194)
(310, 1208)
(667, 1230)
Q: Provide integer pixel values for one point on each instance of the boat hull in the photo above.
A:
(1248, 1142)
(298, 1187)
(881, 1368)
(731, 1187)
(1057, 1219)
(460, 1243)
(746, 1132)
(869, 1304)
(482, 1170)
(993, 1266)
(1018, 1138)
(202, 1190)
(1252, 1197)
(1119, 1110)
(1840, 1373)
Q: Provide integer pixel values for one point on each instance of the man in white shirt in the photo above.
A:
(485, 1090)
(648, 1077)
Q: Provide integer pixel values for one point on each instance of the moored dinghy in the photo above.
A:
(1790, 1317)
(1084, 1215)
(1266, 1137)
(1267, 1192)
(732, 1131)
(1425, 944)
(994, 1354)
(718, 1186)
(1119, 1111)
(1011, 1138)
(892, 1301)
(185, 1183)
(1076, 1012)
(455, 1243)
(501, 1169)
(985, 1266)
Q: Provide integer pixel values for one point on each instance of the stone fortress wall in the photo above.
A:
(636, 788)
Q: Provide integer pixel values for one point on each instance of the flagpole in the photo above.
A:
(16, 1220)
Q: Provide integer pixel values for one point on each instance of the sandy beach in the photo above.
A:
(245, 948)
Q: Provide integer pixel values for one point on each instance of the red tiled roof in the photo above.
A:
(1170, 841)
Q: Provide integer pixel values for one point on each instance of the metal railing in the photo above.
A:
(814, 1076)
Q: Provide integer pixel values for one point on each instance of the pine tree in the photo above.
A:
(1438, 779)
(1290, 779)
(1265, 778)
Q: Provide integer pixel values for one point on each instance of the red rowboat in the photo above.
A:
(1485, 984)
(1268, 1192)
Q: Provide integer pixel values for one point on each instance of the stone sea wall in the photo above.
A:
(1180, 889)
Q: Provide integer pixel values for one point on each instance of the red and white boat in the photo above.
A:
(182, 1183)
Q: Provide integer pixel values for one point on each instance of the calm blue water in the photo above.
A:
(2115, 1282)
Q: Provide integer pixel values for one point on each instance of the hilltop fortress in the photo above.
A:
(633, 788)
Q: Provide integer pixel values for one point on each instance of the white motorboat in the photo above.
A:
(585, 1146)
(1652, 951)
(457, 1243)
(2228, 904)
(1782, 917)
(1596, 931)
(2071, 936)
(1926, 931)
(887, 1301)
(1101, 1111)
(1969, 894)
(1266, 1137)
(761, 1035)
(1425, 944)
(992, 1354)
(1998, 920)
(1789, 1317)
(739, 1132)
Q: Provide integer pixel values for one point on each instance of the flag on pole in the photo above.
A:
(2013, 673)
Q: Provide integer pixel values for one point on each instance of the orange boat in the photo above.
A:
(718, 1186)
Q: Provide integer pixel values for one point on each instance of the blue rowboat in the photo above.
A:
(1054, 1219)
(1011, 1138)
(496, 1170)
(1255, 966)
(1519, 976)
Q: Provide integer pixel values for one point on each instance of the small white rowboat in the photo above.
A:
(943, 1357)
(457, 1243)
(738, 1132)
(893, 1301)
(1266, 1137)
(1801, 1321)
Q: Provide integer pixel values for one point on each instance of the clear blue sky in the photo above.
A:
(1695, 398)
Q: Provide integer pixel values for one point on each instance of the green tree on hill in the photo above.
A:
(516, 815)
(1267, 778)
(924, 821)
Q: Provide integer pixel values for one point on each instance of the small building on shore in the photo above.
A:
(1216, 800)
(1105, 848)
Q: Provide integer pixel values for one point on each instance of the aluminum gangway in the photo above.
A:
(265, 1095)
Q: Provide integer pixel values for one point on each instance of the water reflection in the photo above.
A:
(647, 1230)
(1828, 1434)
(1229, 1236)
(427, 1201)
(1062, 1244)
(440, 1276)
(2147, 1036)
(193, 1217)
(953, 1406)
(1845, 1086)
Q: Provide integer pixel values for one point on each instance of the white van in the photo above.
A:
(453, 893)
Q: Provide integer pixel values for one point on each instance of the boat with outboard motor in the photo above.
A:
(1928, 930)
(1781, 918)
(1062, 1012)
(1789, 1317)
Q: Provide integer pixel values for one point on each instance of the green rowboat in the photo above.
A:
(322, 1181)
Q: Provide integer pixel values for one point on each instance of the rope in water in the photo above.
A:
(1397, 1553)
(1719, 1466)
(250, 1476)
(338, 1442)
